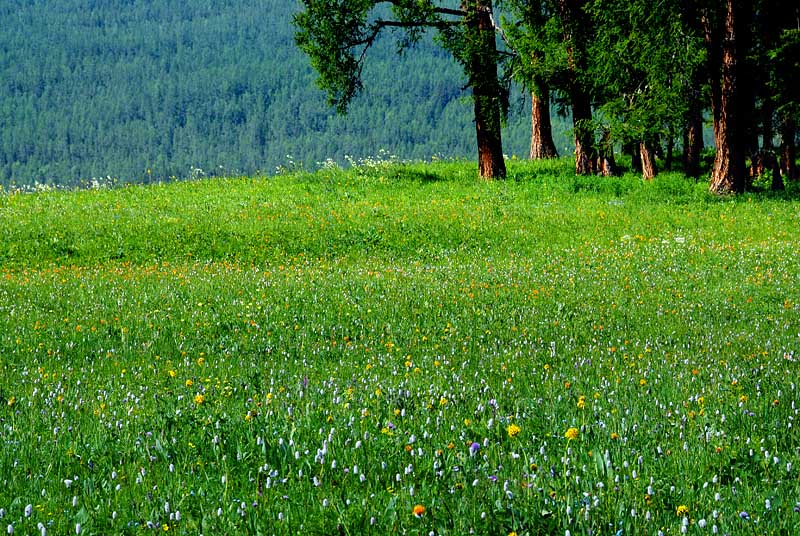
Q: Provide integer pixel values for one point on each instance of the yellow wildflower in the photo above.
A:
(571, 434)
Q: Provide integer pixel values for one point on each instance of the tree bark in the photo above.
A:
(788, 149)
(574, 24)
(693, 140)
(486, 90)
(764, 158)
(648, 161)
(729, 172)
(670, 151)
(584, 137)
(607, 165)
(775, 169)
(631, 148)
(542, 145)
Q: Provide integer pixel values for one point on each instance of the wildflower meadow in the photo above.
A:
(400, 349)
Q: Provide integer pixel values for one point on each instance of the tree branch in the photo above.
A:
(439, 10)
(416, 24)
(453, 12)
(381, 24)
(514, 52)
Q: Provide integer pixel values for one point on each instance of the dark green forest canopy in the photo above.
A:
(150, 90)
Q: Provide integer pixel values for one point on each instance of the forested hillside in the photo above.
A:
(149, 90)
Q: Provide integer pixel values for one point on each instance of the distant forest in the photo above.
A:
(151, 90)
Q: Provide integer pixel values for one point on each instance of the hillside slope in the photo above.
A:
(152, 90)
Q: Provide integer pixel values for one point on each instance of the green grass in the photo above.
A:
(317, 354)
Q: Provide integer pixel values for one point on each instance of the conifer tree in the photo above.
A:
(337, 35)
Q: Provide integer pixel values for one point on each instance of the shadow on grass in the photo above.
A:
(422, 176)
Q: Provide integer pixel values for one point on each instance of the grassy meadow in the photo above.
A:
(400, 349)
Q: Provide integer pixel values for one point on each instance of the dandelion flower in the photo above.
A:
(682, 510)
(571, 434)
(199, 399)
(513, 430)
(419, 510)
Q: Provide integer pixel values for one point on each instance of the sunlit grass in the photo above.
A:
(400, 348)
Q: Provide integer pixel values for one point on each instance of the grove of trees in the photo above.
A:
(633, 74)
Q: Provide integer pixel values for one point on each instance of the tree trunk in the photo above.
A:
(486, 89)
(648, 161)
(574, 25)
(584, 137)
(542, 145)
(775, 169)
(607, 165)
(764, 159)
(788, 149)
(729, 172)
(670, 151)
(631, 148)
(693, 140)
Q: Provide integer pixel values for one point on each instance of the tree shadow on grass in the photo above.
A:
(419, 175)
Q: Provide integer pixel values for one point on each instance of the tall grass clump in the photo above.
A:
(399, 348)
